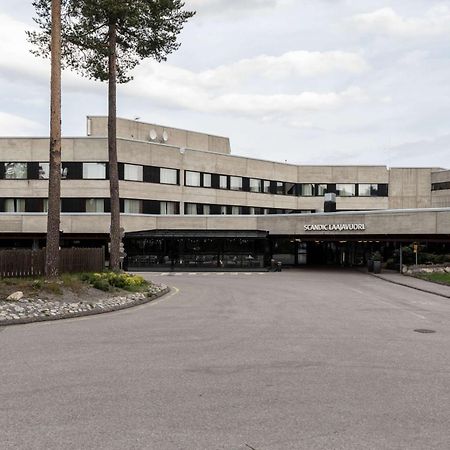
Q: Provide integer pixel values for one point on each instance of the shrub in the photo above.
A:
(105, 281)
(102, 285)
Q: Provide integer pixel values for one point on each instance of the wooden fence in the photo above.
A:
(29, 263)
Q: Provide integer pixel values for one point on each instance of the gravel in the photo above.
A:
(37, 310)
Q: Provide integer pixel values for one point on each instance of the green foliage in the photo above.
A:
(145, 29)
(107, 281)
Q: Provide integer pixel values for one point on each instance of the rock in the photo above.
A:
(16, 296)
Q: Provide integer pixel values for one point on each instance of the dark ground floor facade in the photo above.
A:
(248, 250)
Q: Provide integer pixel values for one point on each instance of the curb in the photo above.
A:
(409, 286)
(28, 320)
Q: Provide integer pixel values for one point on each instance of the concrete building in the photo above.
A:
(186, 198)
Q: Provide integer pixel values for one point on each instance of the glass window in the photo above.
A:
(236, 210)
(14, 205)
(255, 185)
(168, 176)
(44, 171)
(94, 171)
(223, 210)
(45, 205)
(191, 209)
(168, 208)
(290, 188)
(133, 206)
(369, 190)
(266, 186)
(192, 178)
(206, 210)
(223, 182)
(15, 171)
(280, 188)
(236, 183)
(133, 172)
(207, 182)
(95, 205)
(321, 189)
(306, 190)
(346, 190)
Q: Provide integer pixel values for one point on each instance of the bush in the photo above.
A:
(102, 285)
(106, 281)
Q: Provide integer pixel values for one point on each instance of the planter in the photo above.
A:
(377, 267)
(370, 265)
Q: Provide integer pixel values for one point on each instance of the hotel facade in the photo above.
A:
(187, 201)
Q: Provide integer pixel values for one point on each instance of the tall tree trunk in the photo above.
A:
(54, 186)
(114, 259)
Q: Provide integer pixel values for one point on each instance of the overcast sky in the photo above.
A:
(307, 81)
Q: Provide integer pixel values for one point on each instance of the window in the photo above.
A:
(133, 207)
(207, 181)
(346, 190)
(236, 183)
(16, 171)
(192, 179)
(133, 172)
(95, 205)
(223, 182)
(291, 188)
(280, 188)
(440, 186)
(45, 205)
(255, 185)
(44, 171)
(94, 171)
(206, 210)
(168, 176)
(236, 210)
(373, 190)
(223, 210)
(168, 208)
(191, 209)
(266, 186)
(306, 190)
(14, 205)
(321, 189)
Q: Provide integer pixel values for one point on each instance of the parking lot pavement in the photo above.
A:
(310, 359)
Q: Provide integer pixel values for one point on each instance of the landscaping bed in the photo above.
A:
(72, 296)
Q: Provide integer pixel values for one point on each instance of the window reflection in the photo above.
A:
(15, 171)
(346, 190)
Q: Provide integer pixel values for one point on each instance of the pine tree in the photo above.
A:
(104, 40)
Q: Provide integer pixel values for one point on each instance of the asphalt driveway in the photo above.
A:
(308, 359)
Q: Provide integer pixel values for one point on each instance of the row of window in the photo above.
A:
(133, 206)
(150, 174)
(193, 209)
(208, 180)
(88, 171)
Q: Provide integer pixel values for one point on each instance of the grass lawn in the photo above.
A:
(441, 278)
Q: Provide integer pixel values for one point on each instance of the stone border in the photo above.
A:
(135, 300)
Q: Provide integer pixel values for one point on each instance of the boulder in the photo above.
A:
(16, 296)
